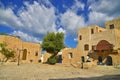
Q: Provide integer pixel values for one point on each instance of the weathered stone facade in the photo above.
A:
(96, 42)
(24, 51)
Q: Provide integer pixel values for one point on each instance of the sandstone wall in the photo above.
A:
(14, 43)
(116, 23)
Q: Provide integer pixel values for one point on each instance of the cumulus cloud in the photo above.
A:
(76, 39)
(102, 11)
(77, 6)
(26, 37)
(61, 30)
(34, 19)
(38, 18)
(72, 22)
(106, 6)
(99, 12)
(7, 17)
(98, 18)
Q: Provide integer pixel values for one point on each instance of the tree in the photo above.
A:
(3, 33)
(6, 52)
(53, 43)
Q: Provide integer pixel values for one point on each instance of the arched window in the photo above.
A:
(86, 47)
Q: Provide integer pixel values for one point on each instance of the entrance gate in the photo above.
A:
(109, 61)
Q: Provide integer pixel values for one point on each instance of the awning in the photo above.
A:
(104, 45)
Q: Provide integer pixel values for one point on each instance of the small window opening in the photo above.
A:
(92, 31)
(86, 47)
(80, 37)
(36, 54)
(70, 55)
(112, 26)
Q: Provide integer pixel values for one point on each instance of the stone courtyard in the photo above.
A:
(31, 71)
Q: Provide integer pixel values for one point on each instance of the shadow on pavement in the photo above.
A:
(106, 77)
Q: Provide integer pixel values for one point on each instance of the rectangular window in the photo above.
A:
(86, 47)
(93, 47)
(92, 31)
(70, 55)
(80, 37)
(36, 53)
(112, 26)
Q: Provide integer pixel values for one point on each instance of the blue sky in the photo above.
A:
(32, 19)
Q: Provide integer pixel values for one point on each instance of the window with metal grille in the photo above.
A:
(86, 47)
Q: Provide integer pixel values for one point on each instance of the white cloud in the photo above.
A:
(7, 17)
(77, 6)
(98, 18)
(76, 39)
(38, 19)
(106, 6)
(26, 37)
(61, 30)
(34, 19)
(72, 22)
(102, 11)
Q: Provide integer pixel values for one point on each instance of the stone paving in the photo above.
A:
(56, 72)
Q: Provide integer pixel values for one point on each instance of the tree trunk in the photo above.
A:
(6, 60)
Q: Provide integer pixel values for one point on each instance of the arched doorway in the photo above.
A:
(109, 61)
(60, 59)
(100, 60)
(24, 54)
(82, 59)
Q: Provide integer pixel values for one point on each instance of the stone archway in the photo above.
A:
(24, 56)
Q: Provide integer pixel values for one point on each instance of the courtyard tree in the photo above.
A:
(3, 33)
(6, 52)
(53, 43)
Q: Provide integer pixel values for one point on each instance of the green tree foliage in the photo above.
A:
(6, 52)
(3, 33)
(53, 43)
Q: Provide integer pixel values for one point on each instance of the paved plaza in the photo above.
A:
(11, 71)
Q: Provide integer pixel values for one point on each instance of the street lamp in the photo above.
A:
(18, 58)
(19, 54)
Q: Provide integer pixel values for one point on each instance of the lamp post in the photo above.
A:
(18, 58)
(19, 54)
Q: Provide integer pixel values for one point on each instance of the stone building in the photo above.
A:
(24, 51)
(96, 42)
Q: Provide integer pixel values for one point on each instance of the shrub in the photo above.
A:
(52, 60)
